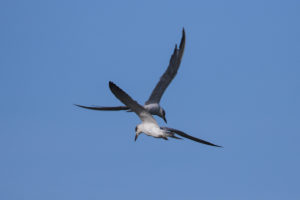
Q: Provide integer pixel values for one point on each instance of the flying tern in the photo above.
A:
(149, 125)
(152, 105)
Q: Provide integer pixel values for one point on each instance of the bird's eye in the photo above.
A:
(135, 128)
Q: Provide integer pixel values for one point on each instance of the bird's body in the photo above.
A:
(150, 129)
(149, 125)
(152, 105)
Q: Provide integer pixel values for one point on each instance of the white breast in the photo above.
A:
(151, 129)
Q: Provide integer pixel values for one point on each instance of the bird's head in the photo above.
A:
(162, 114)
(137, 132)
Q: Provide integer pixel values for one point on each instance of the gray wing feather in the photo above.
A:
(188, 136)
(169, 74)
(114, 108)
(143, 114)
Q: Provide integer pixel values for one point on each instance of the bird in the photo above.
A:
(152, 105)
(149, 125)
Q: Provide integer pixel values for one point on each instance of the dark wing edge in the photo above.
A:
(100, 108)
(169, 74)
(126, 99)
(182, 134)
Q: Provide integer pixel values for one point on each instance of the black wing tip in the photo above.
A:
(116, 90)
(77, 105)
(182, 43)
(81, 106)
(216, 145)
(113, 86)
(182, 134)
(208, 143)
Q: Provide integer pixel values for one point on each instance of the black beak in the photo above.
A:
(164, 118)
(136, 136)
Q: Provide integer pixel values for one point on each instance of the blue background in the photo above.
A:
(238, 86)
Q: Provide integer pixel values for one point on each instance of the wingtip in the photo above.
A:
(182, 43)
(218, 146)
(114, 88)
(214, 145)
(112, 85)
(80, 106)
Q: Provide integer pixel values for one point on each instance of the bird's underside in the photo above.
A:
(149, 125)
(171, 132)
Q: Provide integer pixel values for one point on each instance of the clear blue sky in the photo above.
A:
(238, 86)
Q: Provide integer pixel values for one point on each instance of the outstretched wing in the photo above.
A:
(188, 136)
(169, 74)
(114, 108)
(143, 114)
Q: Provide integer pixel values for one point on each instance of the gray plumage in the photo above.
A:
(149, 125)
(169, 74)
(152, 104)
